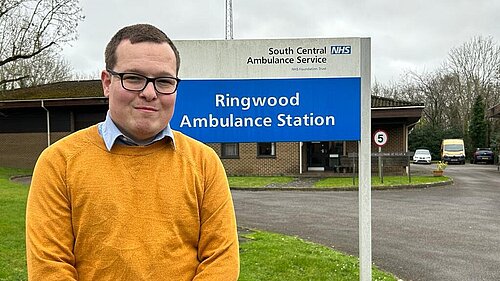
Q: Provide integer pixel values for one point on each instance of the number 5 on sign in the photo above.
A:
(380, 137)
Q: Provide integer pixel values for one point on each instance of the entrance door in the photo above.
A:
(323, 156)
(317, 156)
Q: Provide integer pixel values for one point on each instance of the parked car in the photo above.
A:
(485, 155)
(422, 156)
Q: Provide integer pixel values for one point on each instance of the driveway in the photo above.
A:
(438, 233)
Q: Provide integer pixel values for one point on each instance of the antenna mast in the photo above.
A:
(229, 19)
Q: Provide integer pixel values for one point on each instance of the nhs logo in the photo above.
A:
(340, 50)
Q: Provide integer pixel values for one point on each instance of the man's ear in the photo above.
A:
(106, 82)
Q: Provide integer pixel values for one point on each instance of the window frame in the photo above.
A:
(223, 151)
(272, 153)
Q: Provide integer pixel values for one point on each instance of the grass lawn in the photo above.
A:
(264, 256)
(257, 181)
(388, 181)
(12, 215)
(273, 257)
(332, 182)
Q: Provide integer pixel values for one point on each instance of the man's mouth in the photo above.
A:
(146, 108)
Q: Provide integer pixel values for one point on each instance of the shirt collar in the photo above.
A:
(111, 134)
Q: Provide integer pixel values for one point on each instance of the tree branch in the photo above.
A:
(5, 81)
(17, 57)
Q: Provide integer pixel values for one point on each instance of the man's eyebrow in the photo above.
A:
(137, 71)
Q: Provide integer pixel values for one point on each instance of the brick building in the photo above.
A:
(32, 118)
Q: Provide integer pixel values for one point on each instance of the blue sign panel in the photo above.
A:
(269, 110)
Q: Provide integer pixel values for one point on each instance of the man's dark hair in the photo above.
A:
(137, 33)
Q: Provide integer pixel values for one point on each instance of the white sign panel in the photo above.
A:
(272, 58)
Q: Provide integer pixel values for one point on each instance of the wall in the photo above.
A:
(396, 139)
(23, 131)
(286, 161)
(21, 150)
(396, 143)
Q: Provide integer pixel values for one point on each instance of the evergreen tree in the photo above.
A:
(478, 128)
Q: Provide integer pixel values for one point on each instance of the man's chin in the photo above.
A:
(145, 133)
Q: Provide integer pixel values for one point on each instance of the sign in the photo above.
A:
(393, 154)
(380, 137)
(378, 154)
(290, 90)
(269, 110)
(269, 90)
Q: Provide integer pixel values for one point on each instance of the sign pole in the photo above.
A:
(380, 138)
(365, 238)
(380, 168)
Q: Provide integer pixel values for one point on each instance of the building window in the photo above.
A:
(266, 149)
(230, 150)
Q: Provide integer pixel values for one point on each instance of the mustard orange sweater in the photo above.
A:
(132, 213)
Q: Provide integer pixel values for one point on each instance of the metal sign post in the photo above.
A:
(365, 197)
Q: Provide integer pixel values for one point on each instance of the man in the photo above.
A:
(130, 199)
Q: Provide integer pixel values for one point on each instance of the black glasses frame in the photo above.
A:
(152, 80)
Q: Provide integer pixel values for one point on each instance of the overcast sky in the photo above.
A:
(406, 35)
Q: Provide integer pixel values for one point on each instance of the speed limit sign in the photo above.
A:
(380, 137)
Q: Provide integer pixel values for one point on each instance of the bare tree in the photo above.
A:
(47, 67)
(475, 66)
(470, 70)
(30, 27)
(432, 89)
(95, 75)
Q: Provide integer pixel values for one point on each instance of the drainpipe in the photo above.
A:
(300, 158)
(48, 123)
(405, 131)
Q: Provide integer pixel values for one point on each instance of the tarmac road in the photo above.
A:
(438, 233)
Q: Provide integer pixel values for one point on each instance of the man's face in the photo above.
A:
(140, 115)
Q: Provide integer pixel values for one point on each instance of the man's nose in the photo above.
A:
(149, 93)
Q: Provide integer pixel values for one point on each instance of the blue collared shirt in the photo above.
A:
(111, 134)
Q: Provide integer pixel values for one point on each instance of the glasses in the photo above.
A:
(138, 82)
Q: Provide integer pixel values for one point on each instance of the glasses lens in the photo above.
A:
(133, 82)
(165, 85)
